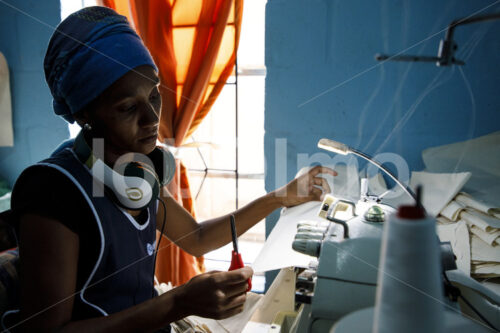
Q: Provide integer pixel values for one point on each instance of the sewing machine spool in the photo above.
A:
(409, 292)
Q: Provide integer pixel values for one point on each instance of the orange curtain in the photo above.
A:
(194, 44)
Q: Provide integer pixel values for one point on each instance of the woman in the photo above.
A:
(87, 263)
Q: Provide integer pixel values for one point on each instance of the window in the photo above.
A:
(226, 167)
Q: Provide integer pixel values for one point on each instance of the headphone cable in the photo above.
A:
(159, 241)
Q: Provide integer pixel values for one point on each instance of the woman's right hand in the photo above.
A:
(215, 294)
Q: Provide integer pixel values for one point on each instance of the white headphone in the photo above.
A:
(134, 185)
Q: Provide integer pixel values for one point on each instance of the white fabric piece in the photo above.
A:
(232, 324)
(253, 327)
(345, 184)
(458, 235)
(443, 220)
(163, 287)
(490, 238)
(481, 251)
(486, 270)
(481, 149)
(259, 310)
(6, 132)
(277, 251)
(480, 220)
(279, 298)
(480, 156)
(438, 188)
(484, 207)
(452, 210)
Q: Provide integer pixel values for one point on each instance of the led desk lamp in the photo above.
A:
(343, 149)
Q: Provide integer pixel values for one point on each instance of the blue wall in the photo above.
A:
(25, 29)
(322, 79)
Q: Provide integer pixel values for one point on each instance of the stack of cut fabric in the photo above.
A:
(473, 228)
(470, 225)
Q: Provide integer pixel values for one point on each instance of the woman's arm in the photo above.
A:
(48, 269)
(49, 255)
(199, 238)
(215, 295)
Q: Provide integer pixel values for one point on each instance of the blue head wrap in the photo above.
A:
(88, 52)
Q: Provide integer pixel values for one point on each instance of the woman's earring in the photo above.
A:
(87, 127)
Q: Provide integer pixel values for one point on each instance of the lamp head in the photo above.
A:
(333, 146)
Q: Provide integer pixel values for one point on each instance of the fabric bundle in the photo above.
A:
(473, 228)
(469, 224)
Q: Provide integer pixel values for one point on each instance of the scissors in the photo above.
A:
(236, 260)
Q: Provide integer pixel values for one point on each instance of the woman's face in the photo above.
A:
(127, 114)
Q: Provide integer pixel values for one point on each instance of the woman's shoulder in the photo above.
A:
(46, 175)
(47, 191)
(40, 178)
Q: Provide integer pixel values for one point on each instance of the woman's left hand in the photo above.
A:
(303, 189)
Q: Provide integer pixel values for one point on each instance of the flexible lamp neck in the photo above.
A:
(343, 149)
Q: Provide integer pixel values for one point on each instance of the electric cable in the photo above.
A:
(455, 293)
(159, 241)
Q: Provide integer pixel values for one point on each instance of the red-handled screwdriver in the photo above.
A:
(236, 261)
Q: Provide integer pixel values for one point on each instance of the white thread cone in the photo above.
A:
(409, 291)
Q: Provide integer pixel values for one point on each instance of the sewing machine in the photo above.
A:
(344, 245)
(336, 252)
(344, 277)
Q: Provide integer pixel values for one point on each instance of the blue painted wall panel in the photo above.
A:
(25, 28)
(323, 81)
